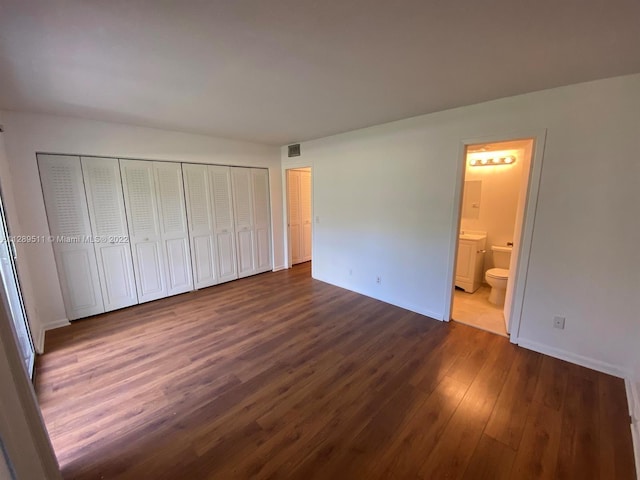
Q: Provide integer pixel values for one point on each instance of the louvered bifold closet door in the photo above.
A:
(294, 214)
(173, 226)
(144, 228)
(200, 222)
(261, 219)
(68, 217)
(103, 187)
(223, 223)
(305, 210)
(243, 213)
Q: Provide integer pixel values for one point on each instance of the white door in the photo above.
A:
(14, 296)
(305, 211)
(294, 213)
(243, 213)
(68, 217)
(144, 229)
(223, 223)
(103, 187)
(200, 222)
(173, 227)
(261, 219)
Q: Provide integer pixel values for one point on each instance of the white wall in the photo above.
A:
(385, 199)
(26, 134)
(15, 228)
(498, 202)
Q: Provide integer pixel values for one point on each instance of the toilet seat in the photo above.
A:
(498, 273)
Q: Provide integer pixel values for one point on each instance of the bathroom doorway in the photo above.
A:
(493, 210)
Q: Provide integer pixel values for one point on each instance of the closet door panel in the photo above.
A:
(224, 225)
(305, 211)
(245, 253)
(243, 215)
(295, 233)
(79, 274)
(293, 211)
(116, 266)
(68, 218)
(144, 228)
(202, 252)
(200, 223)
(306, 242)
(150, 271)
(173, 226)
(261, 219)
(107, 215)
(226, 256)
(263, 249)
(179, 270)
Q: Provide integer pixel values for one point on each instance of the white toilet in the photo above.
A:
(497, 277)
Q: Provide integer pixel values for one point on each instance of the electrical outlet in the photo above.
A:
(350, 271)
(378, 279)
(317, 218)
(558, 322)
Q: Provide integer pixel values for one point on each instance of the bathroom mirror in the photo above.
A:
(471, 199)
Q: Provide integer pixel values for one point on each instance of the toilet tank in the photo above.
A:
(501, 256)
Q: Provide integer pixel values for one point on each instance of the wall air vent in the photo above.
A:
(294, 150)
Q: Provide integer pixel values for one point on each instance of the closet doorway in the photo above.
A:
(299, 215)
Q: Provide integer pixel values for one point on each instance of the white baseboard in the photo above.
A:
(406, 306)
(592, 363)
(633, 394)
(63, 322)
(278, 268)
(39, 334)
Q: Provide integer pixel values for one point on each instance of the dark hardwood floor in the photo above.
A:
(282, 376)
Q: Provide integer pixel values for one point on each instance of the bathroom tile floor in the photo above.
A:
(474, 309)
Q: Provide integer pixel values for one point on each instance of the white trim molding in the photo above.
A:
(412, 308)
(592, 363)
(39, 335)
(38, 340)
(63, 322)
(633, 399)
(293, 163)
(539, 137)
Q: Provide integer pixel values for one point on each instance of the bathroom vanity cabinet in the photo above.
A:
(470, 263)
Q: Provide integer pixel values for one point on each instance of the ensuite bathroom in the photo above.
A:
(492, 210)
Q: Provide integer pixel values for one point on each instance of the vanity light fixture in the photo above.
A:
(483, 162)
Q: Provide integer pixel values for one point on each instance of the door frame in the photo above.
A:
(285, 202)
(4, 224)
(528, 222)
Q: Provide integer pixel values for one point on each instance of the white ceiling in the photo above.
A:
(280, 71)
